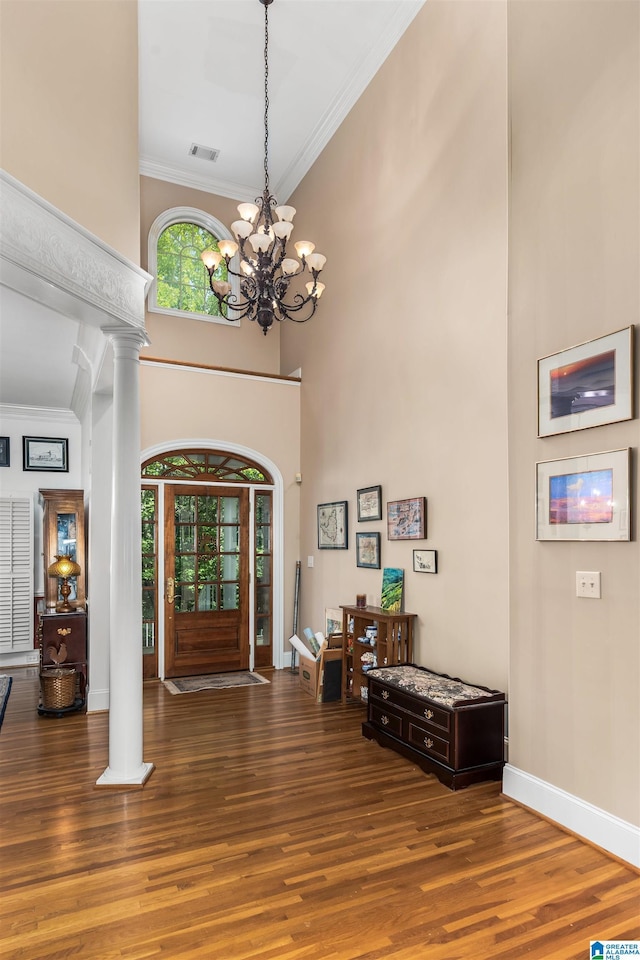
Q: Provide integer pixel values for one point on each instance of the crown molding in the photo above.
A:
(241, 192)
(13, 411)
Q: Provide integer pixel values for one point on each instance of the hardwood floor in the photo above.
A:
(272, 829)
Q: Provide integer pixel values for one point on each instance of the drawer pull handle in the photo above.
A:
(428, 742)
(384, 721)
(385, 694)
(64, 631)
(428, 714)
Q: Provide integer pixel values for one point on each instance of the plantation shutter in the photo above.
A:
(16, 574)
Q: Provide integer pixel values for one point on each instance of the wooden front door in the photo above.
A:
(206, 579)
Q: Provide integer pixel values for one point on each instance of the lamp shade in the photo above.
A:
(63, 566)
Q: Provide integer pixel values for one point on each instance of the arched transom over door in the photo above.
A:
(215, 562)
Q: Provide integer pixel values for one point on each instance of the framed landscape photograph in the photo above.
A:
(48, 454)
(407, 519)
(425, 561)
(586, 386)
(370, 503)
(368, 550)
(5, 458)
(392, 589)
(583, 498)
(332, 526)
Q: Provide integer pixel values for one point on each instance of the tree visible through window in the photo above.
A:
(182, 281)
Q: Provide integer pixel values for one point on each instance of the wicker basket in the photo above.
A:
(58, 688)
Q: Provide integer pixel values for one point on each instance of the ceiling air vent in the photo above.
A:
(203, 153)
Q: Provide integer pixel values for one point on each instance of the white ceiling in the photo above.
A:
(201, 80)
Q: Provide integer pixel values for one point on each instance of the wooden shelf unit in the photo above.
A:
(394, 644)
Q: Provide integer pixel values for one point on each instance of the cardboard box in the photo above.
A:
(322, 678)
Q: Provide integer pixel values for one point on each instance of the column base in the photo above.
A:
(112, 779)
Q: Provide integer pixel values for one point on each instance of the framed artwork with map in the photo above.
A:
(333, 526)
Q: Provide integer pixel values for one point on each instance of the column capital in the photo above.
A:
(129, 340)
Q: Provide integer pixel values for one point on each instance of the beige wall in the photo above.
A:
(69, 106)
(201, 341)
(263, 415)
(404, 364)
(574, 255)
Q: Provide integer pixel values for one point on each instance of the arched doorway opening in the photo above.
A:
(212, 559)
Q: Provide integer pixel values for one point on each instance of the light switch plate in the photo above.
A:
(588, 584)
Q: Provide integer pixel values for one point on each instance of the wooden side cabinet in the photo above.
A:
(63, 532)
(63, 643)
(393, 643)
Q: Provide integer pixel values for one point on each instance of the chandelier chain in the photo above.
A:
(266, 100)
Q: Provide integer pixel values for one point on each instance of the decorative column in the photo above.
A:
(126, 766)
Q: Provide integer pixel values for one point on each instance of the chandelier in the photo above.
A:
(266, 269)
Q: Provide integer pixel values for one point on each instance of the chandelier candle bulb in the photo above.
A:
(263, 281)
(248, 211)
(228, 248)
(304, 248)
(316, 261)
(211, 259)
(282, 229)
(285, 213)
(289, 267)
(242, 228)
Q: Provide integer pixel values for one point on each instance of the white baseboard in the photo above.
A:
(23, 658)
(618, 837)
(97, 701)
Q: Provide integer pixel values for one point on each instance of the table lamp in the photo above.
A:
(64, 567)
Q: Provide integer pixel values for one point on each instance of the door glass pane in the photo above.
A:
(263, 631)
(263, 539)
(207, 509)
(185, 509)
(186, 568)
(229, 596)
(148, 637)
(229, 539)
(263, 598)
(185, 598)
(207, 568)
(229, 509)
(230, 567)
(263, 569)
(208, 597)
(185, 539)
(148, 605)
(207, 539)
(148, 571)
(263, 508)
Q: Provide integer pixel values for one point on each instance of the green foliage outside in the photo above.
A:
(182, 278)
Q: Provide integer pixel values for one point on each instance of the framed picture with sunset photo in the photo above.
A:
(586, 386)
(584, 498)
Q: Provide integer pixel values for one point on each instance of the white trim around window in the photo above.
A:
(207, 222)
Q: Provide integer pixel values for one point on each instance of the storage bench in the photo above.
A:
(443, 724)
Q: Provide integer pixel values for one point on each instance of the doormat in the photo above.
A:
(5, 690)
(214, 681)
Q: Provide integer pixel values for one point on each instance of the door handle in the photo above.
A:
(171, 590)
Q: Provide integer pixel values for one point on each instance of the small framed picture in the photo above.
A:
(5, 459)
(48, 454)
(586, 386)
(583, 498)
(332, 621)
(370, 503)
(332, 526)
(368, 550)
(425, 561)
(407, 519)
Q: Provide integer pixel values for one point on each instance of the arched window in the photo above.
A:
(203, 465)
(181, 285)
